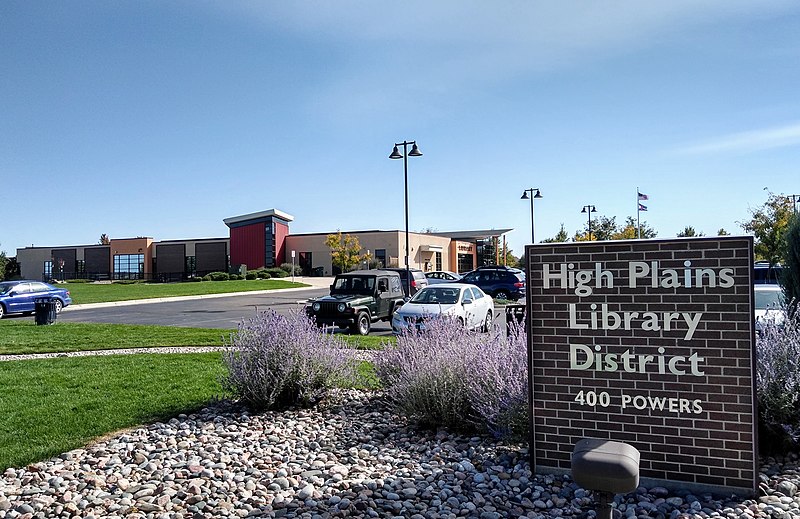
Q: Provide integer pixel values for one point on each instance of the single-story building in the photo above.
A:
(256, 240)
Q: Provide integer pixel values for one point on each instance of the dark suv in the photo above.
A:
(498, 281)
(358, 299)
(418, 280)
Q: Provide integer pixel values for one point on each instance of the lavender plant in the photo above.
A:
(276, 361)
(778, 382)
(460, 379)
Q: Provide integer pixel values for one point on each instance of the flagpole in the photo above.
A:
(638, 220)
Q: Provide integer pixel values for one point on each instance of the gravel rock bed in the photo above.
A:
(117, 351)
(347, 458)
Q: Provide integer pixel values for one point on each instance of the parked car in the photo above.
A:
(418, 280)
(358, 299)
(19, 297)
(467, 303)
(498, 281)
(442, 276)
(764, 273)
(770, 305)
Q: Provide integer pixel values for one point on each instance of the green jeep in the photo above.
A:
(358, 299)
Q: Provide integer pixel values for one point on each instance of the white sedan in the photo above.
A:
(442, 276)
(467, 303)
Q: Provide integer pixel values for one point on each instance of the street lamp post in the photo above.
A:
(794, 199)
(396, 155)
(589, 209)
(533, 196)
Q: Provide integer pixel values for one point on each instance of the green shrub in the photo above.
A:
(276, 272)
(250, 275)
(287, 267)
(234, 277)
(262, 274)
(195, 279)
(79, 281)
(217, 276)
(276, 361)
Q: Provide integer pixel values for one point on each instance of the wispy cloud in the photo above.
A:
(748, 142)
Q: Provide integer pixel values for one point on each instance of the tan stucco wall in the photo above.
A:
(134, 246)
(392, 241)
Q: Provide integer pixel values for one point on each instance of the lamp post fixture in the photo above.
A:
(533, 196)
(793, 199)
(397, 155)
(589, 209)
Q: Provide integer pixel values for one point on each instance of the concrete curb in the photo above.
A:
(186, 298)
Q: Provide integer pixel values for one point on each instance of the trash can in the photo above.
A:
(44, 310)
(515, 317)
(318, 272)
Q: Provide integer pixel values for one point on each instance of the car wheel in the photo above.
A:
(2, 312)
(362, 324)
(501, 294)
(59, 306)
(487, 323)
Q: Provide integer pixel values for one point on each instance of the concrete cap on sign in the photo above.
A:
(605, 466)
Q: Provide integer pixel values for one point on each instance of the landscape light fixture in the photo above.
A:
(397, 155)
(589, 209)
(533, 196)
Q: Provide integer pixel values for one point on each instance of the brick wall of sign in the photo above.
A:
(623, 349)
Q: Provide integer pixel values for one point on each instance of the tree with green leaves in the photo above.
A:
(560, 237)
(689, 232)
(603, 228)
(768, 223)
(791, 268)
(104, 239)
(630, 231)
(345, 251)
(3, 261)
(723, 232)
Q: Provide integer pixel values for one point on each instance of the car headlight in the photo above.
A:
(341, 307)
(316, 307)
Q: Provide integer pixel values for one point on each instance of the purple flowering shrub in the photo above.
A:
(778, 383)
(277, 361)
(452, 377)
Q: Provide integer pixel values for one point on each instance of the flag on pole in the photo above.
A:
(642, 207)
(642, 196)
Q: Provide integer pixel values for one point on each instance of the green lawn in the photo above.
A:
(54, 405)
(83, 293)
(22, 336)
(49, 406)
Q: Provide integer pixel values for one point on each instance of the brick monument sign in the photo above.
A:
(648, 342)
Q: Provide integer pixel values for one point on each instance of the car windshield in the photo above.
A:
(444, 296)
(354, 285)
(768, 299)
(6, 287)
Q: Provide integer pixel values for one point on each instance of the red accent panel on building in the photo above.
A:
(281, 232)
(248, 245)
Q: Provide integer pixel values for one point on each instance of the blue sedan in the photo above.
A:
(20, 296)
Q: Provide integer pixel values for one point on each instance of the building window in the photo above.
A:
(80, 269)
(128, 266)
(380, 257)
(438, 260)
(190, 266)
(269, 242)
(48, 270)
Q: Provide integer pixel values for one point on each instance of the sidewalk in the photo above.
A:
(313, 282)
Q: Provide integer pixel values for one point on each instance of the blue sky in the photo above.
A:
(162, 118)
